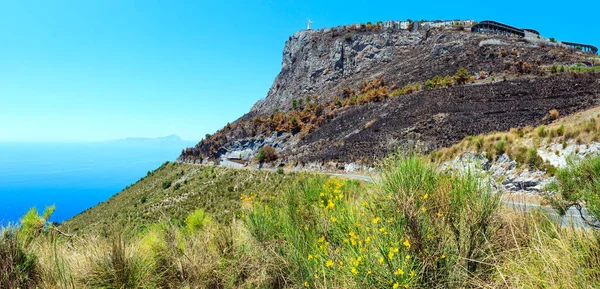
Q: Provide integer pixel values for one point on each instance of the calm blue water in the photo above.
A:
(71, 176)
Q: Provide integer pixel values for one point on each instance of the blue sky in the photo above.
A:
(97, 70)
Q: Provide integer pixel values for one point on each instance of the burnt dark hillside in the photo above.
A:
(439, 118)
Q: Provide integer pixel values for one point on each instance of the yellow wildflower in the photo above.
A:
(381, 260)
(333, 219)
(423, 209)
(406, 243)
(407, 257)
(305, 284)
(443, 256)
(439, 214)
(395, 285)
(382, 230)
(321, 240)
(412, 273)
(425, 196)
(329, 263)
(399, 272)
(376, 220)
(310, 256)
(330, 204)
(395, 250)
(368, 239)
(390, 255)
(316, 276)
(354, 271)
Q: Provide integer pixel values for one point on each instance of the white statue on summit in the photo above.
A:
(309, 23)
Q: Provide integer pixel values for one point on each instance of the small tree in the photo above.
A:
(429, 84)
(447, 81)
(266, 154)
(577, 186)
(552, 40)
(461, 76)
(437, 81)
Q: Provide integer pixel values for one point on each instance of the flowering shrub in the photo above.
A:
(411, 230)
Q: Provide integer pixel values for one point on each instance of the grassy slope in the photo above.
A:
(582, 128)
(216, 189)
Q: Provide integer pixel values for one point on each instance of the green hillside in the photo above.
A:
(173, 191)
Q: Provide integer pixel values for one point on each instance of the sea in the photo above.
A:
(74, 176)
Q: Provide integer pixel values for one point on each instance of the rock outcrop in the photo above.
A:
(511, 87)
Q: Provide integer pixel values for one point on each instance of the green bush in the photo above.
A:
(166, 185)
(429, 84)
(197, 220)
(578, 185)
(533, 159)
(437, 81)
(462, 76)
(472, 217)
(541, 131)
(500, 147)
(479, 142)
(266, 154)
(447, 82)
(417, 228)
(560, 131)
(18, 269)
(122, 267)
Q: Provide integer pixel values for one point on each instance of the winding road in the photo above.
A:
(571, 219)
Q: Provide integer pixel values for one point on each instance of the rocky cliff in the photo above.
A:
(349, 94)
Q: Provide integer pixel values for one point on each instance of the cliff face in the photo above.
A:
(321, 62)
(339, 94)
(314, 62)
